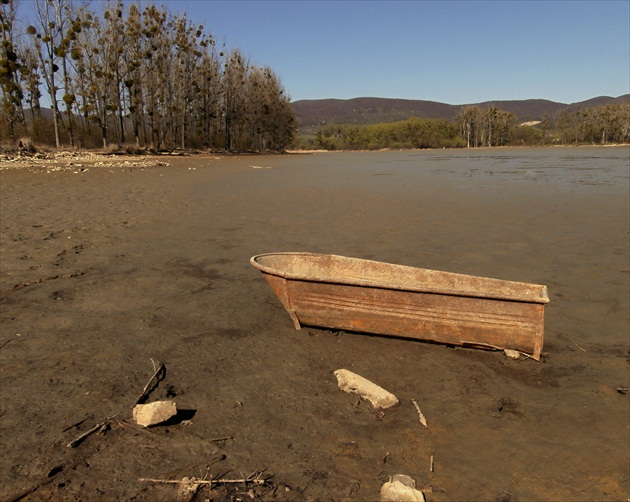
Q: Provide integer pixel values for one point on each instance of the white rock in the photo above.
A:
(512, 354)
(154, 413)
(356, 384)
(401, 488)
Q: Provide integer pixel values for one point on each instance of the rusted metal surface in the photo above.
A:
(382, 298)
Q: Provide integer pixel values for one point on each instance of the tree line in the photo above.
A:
(599, 125)
(481, 127)
(132, 75)
(406, 134)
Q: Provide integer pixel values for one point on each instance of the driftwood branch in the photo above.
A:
(209, 482)
(157, 376)
(97, 428)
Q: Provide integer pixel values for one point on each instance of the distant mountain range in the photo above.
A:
(313, 113)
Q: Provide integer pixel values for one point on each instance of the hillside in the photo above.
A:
(313, 113)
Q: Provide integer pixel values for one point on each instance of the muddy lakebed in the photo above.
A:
(111, 264)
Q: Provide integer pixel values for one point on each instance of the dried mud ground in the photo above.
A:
(108, 263)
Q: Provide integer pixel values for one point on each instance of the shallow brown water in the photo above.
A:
(106, 268)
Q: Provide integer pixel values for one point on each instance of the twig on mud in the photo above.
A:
(159, 374)
(431, 464)
(423, 420)
(583, 350)
(496, 347)
(96, 428)
(256, 473)
(226, 438)
(9, 340)
(210, 482)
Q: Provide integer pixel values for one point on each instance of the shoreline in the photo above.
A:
(69, 156)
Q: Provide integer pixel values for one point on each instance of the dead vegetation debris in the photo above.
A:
(75, 161)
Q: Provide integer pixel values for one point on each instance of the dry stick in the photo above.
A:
(496, 347)
(583, 350)
(204, 482)
(226, 438)
(76, 441)
(156, 376)
(257, 473)
(423, 420)
(431, 464)
(9, 340)
(94, 429)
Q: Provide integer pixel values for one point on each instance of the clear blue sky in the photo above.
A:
(450, 51)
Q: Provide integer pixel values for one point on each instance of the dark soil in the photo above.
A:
(110, 264)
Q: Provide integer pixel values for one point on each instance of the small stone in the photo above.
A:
(512, 354)
(405, 480)
(401, 488)
(356, 384)
(154, 413)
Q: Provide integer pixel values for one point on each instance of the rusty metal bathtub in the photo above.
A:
(374, 297)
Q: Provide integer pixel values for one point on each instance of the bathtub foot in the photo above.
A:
(295, 319)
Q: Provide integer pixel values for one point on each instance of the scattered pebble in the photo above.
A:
(512, 354)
